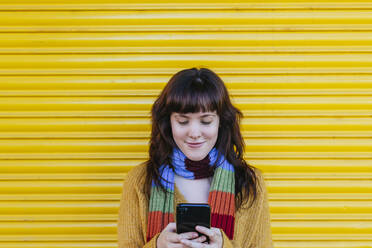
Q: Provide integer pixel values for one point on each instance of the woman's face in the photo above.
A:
(195, 133)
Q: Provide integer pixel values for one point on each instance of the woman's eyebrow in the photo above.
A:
(206, 115)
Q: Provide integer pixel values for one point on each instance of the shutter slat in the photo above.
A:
(78, 78)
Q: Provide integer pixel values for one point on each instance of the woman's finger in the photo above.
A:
(171, 227)
(211, 233)
(176, 238)
(172, 238)
(179, 245)
(193, 244)
(214, 234)
(200, 239)
(188, 235)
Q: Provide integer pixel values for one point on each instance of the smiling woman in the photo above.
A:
(196, 156)
(195, 134)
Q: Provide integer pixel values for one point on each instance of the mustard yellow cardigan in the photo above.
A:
(252, 225)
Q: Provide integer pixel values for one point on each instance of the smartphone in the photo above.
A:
(189, 215)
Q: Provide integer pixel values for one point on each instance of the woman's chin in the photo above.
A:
(195, 156)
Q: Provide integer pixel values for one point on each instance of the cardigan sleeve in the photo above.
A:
(262, 235)
(129, 229)
(259, 235)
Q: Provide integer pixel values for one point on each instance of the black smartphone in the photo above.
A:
(190, 215)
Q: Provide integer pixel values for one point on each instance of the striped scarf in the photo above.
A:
(221, 194)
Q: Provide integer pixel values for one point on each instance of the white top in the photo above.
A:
(194, 190)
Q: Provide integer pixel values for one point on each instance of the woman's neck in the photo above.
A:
(194, 190)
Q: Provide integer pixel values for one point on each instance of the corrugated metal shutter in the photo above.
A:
(77, 80)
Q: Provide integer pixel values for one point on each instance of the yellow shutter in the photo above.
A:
(78, 78)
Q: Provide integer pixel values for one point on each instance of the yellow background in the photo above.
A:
(78, 78)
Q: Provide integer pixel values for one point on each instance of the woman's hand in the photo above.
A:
(215, 238)
(169, 238)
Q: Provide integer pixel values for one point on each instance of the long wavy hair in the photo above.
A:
(191, 91)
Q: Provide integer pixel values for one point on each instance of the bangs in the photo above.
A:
(193, 98)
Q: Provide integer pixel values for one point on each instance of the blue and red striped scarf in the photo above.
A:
(221, 194)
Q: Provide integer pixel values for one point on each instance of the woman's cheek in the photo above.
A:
(211, 133)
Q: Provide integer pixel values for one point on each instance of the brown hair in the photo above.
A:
(190, 91)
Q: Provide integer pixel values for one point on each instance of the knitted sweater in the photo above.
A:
(252, 225)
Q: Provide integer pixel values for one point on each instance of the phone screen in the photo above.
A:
(190, 215)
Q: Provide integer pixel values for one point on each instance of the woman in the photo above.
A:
(195, 156)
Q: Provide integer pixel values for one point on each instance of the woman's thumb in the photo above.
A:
(171, 227)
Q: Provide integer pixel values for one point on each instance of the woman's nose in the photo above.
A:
(194, 132)
(194, 136)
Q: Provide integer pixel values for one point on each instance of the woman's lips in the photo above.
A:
(195, 145)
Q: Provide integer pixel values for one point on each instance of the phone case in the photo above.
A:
(190, 215)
